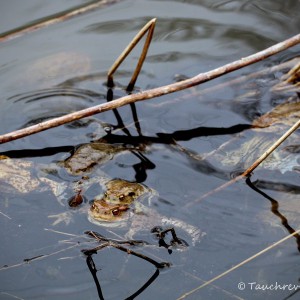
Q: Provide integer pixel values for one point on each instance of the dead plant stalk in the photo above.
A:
(149, 27)
(54, 19)
(238, 265)
(251, 168)
(156, 92)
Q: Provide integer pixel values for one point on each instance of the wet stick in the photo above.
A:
(252, 167)
(156, 92)
(271, 149)
(233, 82)
(54, 19)
(117, 244)
(238, 265)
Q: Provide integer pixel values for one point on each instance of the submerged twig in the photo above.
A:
(149, 94)
(271, 149)
(11, 295)
(238, 265)
(105, 242)
(149, 27)
(53, 19)
(252, 167)
(3, 214)
(38, 257)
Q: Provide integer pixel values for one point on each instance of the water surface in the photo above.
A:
(62, 68)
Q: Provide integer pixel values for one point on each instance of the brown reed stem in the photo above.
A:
(156, 92)
(53, 19)
(183, 296)
(251, 168)
(271, 149)
(149, 27)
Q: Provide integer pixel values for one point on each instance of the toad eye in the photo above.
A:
(95, 208)
(115, 211)
(121, 197)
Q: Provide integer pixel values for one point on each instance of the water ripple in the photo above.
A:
(40, 105)
(87, 95)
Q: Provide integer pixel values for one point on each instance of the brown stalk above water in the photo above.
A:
(149, 27)
(156, 92)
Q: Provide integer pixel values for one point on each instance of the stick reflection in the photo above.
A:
(275, 211)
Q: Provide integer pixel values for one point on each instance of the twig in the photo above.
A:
(3, 214)
(39, 257)
(53, 19)
(149, 94)
(252, 167)
(232, 82)
(271, 149)
(216, 190)
(11, 295)
(148, 27)
(239, 265)
(117, 244)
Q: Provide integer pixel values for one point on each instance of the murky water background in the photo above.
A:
(190, 37)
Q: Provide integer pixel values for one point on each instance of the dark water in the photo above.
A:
(61, 68)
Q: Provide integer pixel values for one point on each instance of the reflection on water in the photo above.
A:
(182, 145)
(275, 207)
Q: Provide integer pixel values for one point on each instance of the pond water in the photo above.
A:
(172, 147)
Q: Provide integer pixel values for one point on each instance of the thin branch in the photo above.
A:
(117, 244)
(251, 168)
(238, 265)
(11, 295)
(216, 190)
(53, 19)
(3, 214)
(39, 257)
(156, 92)
(271, 149)
(236, 81)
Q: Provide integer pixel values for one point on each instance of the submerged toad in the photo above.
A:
(119, 197)
(24, 176)
(87, 156)
(121, 205)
